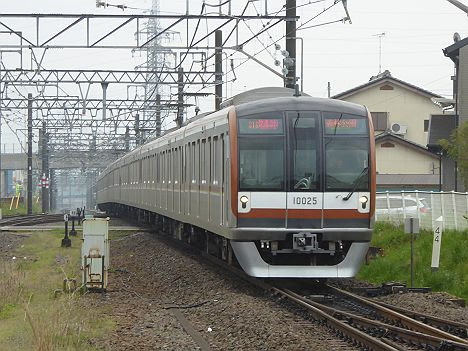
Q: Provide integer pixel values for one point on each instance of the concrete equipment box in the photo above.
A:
(95, 253)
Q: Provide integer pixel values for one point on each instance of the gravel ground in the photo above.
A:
(149, 277)
(8, 243)
(436, 304)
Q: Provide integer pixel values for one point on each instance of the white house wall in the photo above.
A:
(404, 160)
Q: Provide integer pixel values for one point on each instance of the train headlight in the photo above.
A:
(363, 199)
(244, 199)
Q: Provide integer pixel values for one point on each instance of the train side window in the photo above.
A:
(176, 165)
(194, 164)
(209, 165)
(202, 161)
(222, 161)
(140, 173)
(163, 176)
(181, 165)
(197, 162)
(169, 165)
(214, 176)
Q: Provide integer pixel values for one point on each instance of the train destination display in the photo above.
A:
(261, 126)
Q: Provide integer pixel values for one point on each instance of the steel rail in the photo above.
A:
(328, 319)
(384, 329)
(343, 330)
(30, 220)
(400, 318)
(456, 328)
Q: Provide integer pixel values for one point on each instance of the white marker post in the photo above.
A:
(438, 227)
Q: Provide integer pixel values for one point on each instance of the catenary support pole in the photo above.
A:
(53, 191)
(137, 129)
(158, 115)
(290, 80)
(218, 69)
(180, 98)
(30, 139)
(45, 169)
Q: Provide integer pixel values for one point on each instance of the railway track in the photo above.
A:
(30, 219)
(360, 321)
(376, 327)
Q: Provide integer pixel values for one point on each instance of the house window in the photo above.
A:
(380, 120)
(426, 125)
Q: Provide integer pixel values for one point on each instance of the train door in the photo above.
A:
(304, 195)
(153, 180)
(158, 181)
(195, 182)
(216, 204)
(170, 181)
(184, 188)
(176, 176)
(204, 167)
(164, 181)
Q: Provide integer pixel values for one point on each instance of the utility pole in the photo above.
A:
(137, 130)
(218, 69)
(158, 115)
(290, 80)
(127, 138)
(30, 138)
(53, 191)
(45, 169)
(104, 100)
(180, 98)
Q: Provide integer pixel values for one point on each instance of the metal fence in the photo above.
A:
(394, 207)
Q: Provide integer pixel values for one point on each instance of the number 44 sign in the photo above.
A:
(438, 226)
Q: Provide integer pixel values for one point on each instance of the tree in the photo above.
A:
(457, 149)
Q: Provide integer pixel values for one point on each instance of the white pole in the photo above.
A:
(438, 228)
(418, 207)
(442, 210)
(404, 204)
(388, 205)
(454, 206)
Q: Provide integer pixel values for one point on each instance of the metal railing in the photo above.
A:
(395, 207)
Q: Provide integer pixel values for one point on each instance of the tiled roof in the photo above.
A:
(385, 77)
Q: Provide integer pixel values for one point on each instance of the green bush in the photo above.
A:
(394, 265)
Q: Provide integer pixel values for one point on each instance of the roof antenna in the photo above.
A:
(297, 92)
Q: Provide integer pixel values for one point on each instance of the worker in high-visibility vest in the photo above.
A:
(18, 188)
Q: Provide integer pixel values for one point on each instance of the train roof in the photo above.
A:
(303, 103)
(259, 94)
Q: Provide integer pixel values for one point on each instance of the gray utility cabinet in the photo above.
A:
(95, 253)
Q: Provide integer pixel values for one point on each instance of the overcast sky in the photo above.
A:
(345, 55)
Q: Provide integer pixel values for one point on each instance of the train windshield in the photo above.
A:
(346, 152)
(304, 145)
(261, 152)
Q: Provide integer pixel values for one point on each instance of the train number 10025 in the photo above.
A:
(304, 200)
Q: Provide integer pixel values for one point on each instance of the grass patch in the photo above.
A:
(31, 317)
(21, 210)
(395, 263)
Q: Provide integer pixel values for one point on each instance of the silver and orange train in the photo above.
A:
(284, 185)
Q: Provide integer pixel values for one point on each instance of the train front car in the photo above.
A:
(303, 187)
